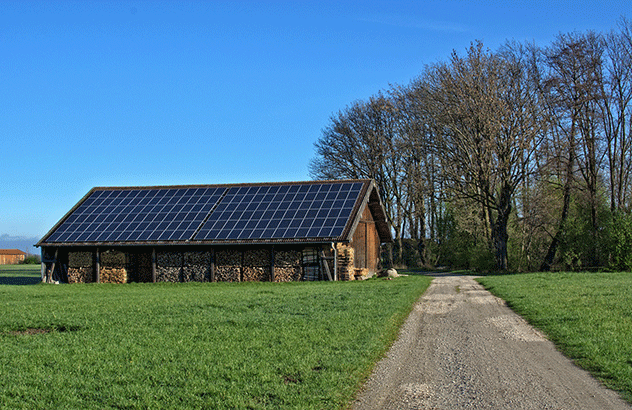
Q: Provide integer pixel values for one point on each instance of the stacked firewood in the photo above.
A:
(168, 266)
(228, 265)
(196, 267)
(287, 266)
(345, 262)
(256, 266)
(112, 267)
(80, 267)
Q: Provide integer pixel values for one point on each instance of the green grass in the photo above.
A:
(196, 345)
(587, 315)
(20, 274)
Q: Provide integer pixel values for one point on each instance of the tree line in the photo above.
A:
(517, 159)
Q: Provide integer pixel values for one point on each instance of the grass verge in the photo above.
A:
(587, 315)
(196, 345)
(20, 274)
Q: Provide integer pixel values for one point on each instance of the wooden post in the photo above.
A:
(213, 264)
(324, 264)
(153, 265)
(272, 264)
(43, 270)
(51, 272)
(182, 267)
(241, 267)
(333, 245)
(97, 271)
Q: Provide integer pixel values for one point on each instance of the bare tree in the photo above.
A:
(361, 142)
(616, 106)
(491, 126)
(573, 86)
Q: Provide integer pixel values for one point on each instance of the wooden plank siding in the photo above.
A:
(366, 244)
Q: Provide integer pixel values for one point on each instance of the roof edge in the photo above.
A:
(241, 184)
(380, 220)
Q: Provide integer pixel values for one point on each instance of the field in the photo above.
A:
(196, 345)
(20, 274)
(587, 315)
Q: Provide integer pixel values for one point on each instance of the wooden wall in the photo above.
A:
(366, 245)
(11, 259)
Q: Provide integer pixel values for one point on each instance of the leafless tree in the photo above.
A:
(616, 108)
(491, 126)
(361, 142)
(573, 86)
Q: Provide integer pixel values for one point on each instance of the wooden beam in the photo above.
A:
(213, 264)
(241, 266)
(43, 270)
(49, 275)
(324, 264)
(153, 265)
(97, 271)
(181, 279)
(272, 263)
(335, 251)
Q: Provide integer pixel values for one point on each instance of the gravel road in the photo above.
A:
(463, 348)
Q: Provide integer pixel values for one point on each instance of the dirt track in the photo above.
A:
(463, 348)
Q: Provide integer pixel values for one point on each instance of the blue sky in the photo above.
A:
(119, 93)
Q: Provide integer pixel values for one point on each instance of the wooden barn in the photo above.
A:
(290, 231)
(11, 256)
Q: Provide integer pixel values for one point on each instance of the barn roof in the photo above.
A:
(312, 211)
(11, 252)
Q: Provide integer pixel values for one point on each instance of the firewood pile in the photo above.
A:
(227, 265)
(197, 267)
(256, 267)
(80, 267)
(287, 266)
(168, 266)
(346, 270)
(113, 267)
(231, 265)
(256, 273)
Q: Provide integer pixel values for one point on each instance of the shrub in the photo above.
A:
(31, 260)
(621, 242)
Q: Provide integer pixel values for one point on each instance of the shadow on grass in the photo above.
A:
(20, 280)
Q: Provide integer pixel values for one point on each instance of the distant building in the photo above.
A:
(11, 256)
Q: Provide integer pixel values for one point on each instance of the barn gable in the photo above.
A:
(297, 215)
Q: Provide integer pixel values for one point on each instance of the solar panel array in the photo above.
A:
(221, 213)
(282, 212)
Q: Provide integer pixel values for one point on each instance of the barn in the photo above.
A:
(11, 256)
(283, 231)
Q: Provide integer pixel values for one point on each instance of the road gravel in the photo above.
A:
(463, 348)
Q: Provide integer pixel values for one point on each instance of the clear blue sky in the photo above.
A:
(115, 93)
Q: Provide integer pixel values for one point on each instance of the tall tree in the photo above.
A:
(491, 126)
(616, 106)
(573, 86)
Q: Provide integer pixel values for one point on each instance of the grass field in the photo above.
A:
(587, 315)
(20, 274)
(196, 345)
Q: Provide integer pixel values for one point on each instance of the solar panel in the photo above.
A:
(158, 214)
(258, 212)
(282, 212)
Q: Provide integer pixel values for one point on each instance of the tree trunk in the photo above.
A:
(547, 263)
(499, 231)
